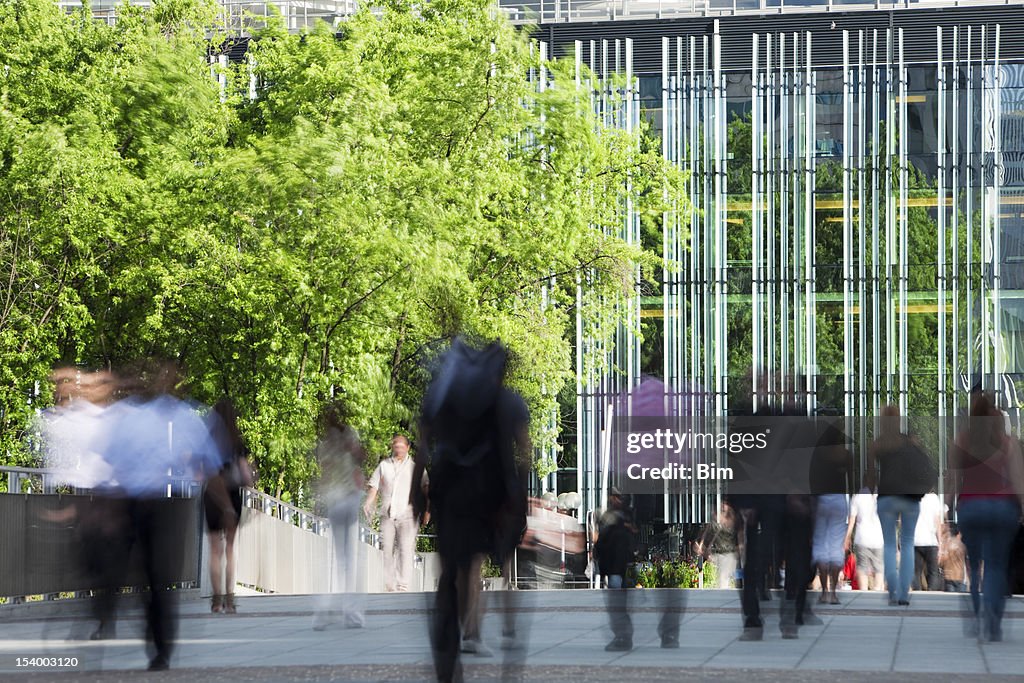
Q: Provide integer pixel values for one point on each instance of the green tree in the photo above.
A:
(386, 188)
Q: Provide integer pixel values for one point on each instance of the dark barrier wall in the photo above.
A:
(47, 542)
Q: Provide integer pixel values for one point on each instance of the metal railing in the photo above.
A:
(41, 480)
(286, 512)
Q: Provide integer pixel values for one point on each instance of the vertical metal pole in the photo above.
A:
(862, 216)
(969, 187)
(890, 211)
(721, 140)
(903, 234)
(995, 192)
(756, 225)
(785, 282)
(955, 219)
(877, 160)
(810, 294)
(848, 364)
(941, 247)
(772, 168)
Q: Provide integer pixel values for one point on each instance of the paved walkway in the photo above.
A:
(271, 639)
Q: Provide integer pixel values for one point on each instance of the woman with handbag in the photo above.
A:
(222, 503)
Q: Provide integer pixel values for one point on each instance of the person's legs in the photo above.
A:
(887, 516)
(405, 529)
(753, 569)
(387, 541)
(725, 564)
(931, 566)
(217, 569)
(909, 510)
(671, 614)
(470, 603)
(1003, 518)
(797, 537)
(154, 522)
(919, 568)
(972, 529)
(348, 521)
(229, 569)
(618, 614)
(444, 631)
(822, 521)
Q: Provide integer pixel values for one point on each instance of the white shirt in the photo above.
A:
(393, 481)
(71, 434)
(868, 530)
(150, 441)
(926, 532)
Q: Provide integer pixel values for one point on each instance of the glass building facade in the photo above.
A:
(856, 233)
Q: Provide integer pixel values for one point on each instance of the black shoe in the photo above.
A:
(159, 663)
(670, 642)
(903, 603)
(619, 645)
(752, 633)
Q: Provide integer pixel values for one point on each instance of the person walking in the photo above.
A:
(340, 455)
(613, 552)
(222, 503)
(898, 460)
(475, 436)
(393, 480)
(718, 544)
(830, 473)
(926, 543)
(987, 475)
(864, 535)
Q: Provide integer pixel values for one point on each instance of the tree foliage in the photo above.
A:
(386, 188)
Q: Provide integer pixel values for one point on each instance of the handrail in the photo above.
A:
(49, 480)
(38, 480)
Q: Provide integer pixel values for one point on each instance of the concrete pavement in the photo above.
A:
(565, 632)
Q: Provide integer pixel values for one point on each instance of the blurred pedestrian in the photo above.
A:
(341, 456)
(154, 437)
(613, 552)
(898, 460)
(926, 543)
(830, 475)
(222, 502)
(987, 476)
(953, 560)
(719, 545)
(475, 437)
(393, 481)
(864, 536)
(73, 433)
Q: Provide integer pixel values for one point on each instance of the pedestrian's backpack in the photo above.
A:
(460, 404)
(907, 471)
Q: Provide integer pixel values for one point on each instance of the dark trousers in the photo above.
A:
(105, 534)
(798, 534)
(669, 600)
(445, 629)
(789, 521)
(926, 562)
(762, 518)
(161, 559)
